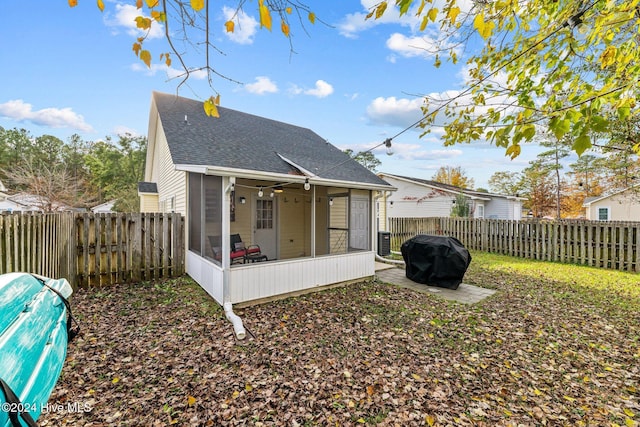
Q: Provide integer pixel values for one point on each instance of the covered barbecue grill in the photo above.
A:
(435, 260)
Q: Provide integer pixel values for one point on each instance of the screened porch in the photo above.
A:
(308, 237)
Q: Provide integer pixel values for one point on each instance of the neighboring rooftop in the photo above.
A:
(147, 187)
(452, 188)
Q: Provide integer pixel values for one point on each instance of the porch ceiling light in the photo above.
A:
(307, 186)
(260, 193)
(278, 189)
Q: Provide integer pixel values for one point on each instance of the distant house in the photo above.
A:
(148, 193)
(422, 198)
(105, 207)
(21, 202)
(307, 205)
(623, 205)
(7, 204)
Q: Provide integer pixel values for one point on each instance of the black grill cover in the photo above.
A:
(435, 260)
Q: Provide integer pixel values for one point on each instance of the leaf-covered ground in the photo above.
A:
(557, 345)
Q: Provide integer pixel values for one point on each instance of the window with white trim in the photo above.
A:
(603, 214)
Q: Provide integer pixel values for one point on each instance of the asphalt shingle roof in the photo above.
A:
(244, 141)
(147, 187)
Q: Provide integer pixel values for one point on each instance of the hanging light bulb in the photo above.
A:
(307, 186)
(331, 201)
(578, 28)
(387, 143)
(272, 193)
(260, 193)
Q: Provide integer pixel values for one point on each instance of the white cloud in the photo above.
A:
(261, 86)
(395, 112)
(245, 26)
(321, 90)
(20, 111)
(405, 151)
(172, 73)
(408, 47)
(124, 130)
(417, 152)
(354, 23)
(125, 17)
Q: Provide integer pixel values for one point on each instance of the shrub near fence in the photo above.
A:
(614, 245)
(93, 250)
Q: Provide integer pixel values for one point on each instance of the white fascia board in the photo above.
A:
(421, 184)
(282, 178)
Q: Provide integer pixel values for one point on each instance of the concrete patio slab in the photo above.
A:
(465, 294)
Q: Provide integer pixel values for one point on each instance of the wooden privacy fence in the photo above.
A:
(37, 243)
(92, 250)
(614, 245)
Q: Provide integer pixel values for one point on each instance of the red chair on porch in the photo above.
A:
(242, 253)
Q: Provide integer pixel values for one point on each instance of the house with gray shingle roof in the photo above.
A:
(307, 205)
(421, 198)
(622, 205)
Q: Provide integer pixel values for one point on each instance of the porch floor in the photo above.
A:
(465, 294)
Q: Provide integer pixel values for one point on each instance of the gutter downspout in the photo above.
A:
(236, 321)
(389, 261)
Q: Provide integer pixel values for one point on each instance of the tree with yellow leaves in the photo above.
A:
(189, 20)
(567, 67)
(453, 176)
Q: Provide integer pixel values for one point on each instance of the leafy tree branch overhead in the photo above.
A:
(560, 66)
(187, 26)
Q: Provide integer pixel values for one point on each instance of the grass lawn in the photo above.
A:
(556, 345)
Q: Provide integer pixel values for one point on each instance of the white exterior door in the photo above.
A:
(359, 223)
(265, 226)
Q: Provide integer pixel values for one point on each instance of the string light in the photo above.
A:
(387, 143)
(572, 22)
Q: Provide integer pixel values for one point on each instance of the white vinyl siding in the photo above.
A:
(624, 206)
(414, 200)
(171, 183)
(149, 203)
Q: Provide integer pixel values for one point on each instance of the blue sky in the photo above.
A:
(354, 82)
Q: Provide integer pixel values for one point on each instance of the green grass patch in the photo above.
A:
(583, 276)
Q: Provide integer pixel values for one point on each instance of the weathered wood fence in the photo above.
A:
(93, 250)
(614, 245)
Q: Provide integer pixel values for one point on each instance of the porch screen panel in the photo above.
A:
(195, 213)
(213, 199)
(338, 224)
